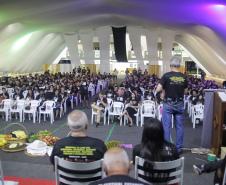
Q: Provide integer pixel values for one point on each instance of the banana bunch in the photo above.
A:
(2, 142)
(19, 134)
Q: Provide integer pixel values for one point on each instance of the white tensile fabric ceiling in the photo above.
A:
(31, 32)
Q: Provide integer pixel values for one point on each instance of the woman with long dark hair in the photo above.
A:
(153, 147)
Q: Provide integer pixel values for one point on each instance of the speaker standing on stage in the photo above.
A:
(174, 83)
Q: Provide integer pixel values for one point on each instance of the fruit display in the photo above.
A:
(2, 136)
(49, 140)
(2, 141)
(19, 134)
(14, 147)
(32, 137)
(44, 133)
(16, 135)
(45, 136)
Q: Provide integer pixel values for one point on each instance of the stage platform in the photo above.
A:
(21, 165)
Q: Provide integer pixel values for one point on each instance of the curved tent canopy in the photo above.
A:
(31, 32)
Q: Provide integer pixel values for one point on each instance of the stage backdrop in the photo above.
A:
(119, 35)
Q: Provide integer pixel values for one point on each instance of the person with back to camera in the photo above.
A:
(78, 147)
(117, 166)
(174, 83)
(153, 145)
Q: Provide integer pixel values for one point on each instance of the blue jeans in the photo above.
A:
(175, 109)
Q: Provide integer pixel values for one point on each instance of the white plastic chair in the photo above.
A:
(102, 114)
(7, 103)
(110, 101)
(94, 113)
(2, 181)
(170, 172)
(91, 88)
(198, 113)
(189, 106)
(78, 173)
(20, 105)
(74, 99)
(1, 87)
(159, 111)
(186, 100)
(32, 110)
(147, 110)
(116, 109)
(64, 106)
(47, 109)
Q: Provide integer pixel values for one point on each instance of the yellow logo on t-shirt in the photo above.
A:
(80, 151)
(177, 79)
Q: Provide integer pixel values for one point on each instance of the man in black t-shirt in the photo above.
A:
(78, 147)
(117, 166)
(174, 84)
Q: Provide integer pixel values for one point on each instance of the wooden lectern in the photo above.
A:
(219, 122)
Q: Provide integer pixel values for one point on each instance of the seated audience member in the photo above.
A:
(117, 166)
(99, 105)
(194, 96)
(120, 95)
(4, 93)
(16, 94)
(58, 103)
(149, 95)
(199, 100)
(110, 92)
(131, 109)
(78, 147)
(216, 166)
(153, 146)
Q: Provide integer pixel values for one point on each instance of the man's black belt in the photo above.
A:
(174, 99)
